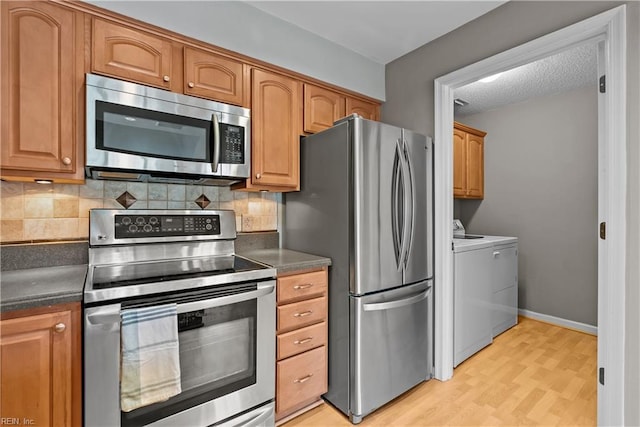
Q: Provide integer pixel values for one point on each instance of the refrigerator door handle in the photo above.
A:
(397, 303)
(396, 206)
(409, 205)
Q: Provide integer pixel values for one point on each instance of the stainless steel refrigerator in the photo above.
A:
(366, 202)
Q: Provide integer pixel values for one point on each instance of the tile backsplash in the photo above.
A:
(35, 212)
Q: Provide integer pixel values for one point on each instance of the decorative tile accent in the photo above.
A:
(202, 201)
(126, 199)
(32, 212)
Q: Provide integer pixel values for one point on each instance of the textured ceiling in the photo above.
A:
(379, 30)
(567, 70)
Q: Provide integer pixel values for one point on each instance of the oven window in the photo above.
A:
(217, 357)
(132, 130)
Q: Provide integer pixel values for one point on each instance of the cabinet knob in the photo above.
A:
(191, 84)
(166, 78)
(258, 175)
(60, 327)
(66, 161)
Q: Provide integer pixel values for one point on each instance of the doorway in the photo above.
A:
(608, 30)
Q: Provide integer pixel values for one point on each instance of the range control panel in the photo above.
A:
(131, 226)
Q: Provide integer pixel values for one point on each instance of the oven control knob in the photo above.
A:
(140, 220)
(133, 228)
(126, 220)
(208, 227)
(153, 220)
(147, 228)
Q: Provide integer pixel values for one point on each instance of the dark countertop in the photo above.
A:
(285, 260)
(36, 287)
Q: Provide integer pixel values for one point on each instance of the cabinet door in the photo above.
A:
(322, 107)
(37, 371)
(368, 110)
(131, 54)
(459, 163)
(213, 76)
(42, 74)
(475, 166)
(276, 104)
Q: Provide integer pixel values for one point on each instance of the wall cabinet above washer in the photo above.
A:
(468, 162)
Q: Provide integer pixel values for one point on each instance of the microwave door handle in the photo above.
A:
(231, 299)
(216, 143)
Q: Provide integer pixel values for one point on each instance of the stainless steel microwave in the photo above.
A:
(140, 133)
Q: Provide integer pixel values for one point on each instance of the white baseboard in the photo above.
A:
(570, 324)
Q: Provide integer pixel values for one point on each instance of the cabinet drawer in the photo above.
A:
(300, 378)
(303, 313)
(299, 286)
(299, 340)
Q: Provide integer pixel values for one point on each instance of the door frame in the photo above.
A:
(608, 29)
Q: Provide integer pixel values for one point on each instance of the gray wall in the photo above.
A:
(410, 103)
(541, 185)
(237, 26)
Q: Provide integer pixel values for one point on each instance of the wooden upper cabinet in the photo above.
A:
(136, 55)
(367, 110)
(40, 374)
(459, 161)
(42, 107)
(322, 107)
(132, 54)
(475, 166)
(276, 122)
(468, 162)
(213, 76)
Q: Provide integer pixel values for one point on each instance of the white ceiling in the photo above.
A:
(564, 71)
(379, 30)
(383, 31)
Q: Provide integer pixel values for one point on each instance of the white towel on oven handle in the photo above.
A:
(150, 360)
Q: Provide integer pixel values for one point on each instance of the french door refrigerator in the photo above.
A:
(366, 203)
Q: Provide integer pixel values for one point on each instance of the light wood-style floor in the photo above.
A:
(533, 374)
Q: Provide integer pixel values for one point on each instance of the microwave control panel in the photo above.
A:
(231, 144)
(128, 226)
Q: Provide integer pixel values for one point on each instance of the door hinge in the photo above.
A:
(603, 230)
(603, 84)
(601, 376)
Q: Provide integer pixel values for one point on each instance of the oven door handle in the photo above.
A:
(106, 316)
(231, 299)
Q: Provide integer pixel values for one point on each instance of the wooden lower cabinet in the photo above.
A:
(41, 366)
(301, 367)
(301, 379)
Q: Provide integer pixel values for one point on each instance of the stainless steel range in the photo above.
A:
(225, 307)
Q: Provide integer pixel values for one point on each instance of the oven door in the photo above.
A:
(227, 358)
